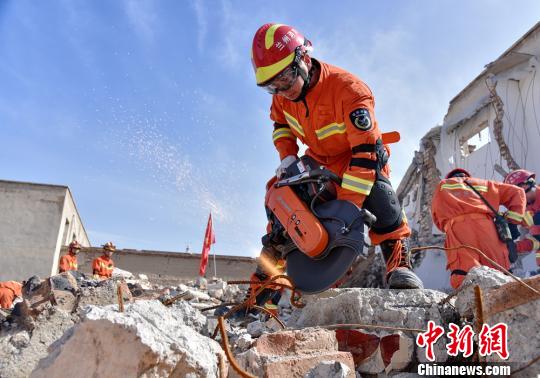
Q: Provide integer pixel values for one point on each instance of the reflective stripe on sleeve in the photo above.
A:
(356, 184)
(282, 132)
(514, 216)
(536, 243)
(331, 129)
(527, 218)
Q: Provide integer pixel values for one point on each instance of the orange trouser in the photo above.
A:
(476, 230)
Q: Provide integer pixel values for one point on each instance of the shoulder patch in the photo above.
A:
(360, 119)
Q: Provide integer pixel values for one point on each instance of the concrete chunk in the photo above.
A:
(147, 340)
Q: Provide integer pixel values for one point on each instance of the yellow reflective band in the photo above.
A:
(269, 36)
(294, 123)
(528, 218)
(282, 133)
(331, 129)
(536, 243)
(263, 74)
(514, 216)
(356, 184)
(480, 188)
(270, 306)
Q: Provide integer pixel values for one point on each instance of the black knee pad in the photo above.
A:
(384, 204)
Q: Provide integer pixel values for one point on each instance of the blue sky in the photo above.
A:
(149, 112)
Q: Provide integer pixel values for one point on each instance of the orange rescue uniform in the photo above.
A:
(103, 266)
(323, 122)
(531, 242)
(460, 213)
(68, 262)
(9, 290)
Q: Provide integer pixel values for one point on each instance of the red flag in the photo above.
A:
(209, 239)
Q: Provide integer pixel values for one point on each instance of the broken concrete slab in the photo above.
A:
(484, 277)
(392, 308)
(293, 353)
(147, 339)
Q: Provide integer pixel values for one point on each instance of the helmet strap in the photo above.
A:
(307, 79)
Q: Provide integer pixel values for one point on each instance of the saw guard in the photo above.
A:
(315, 275)
(301, 225)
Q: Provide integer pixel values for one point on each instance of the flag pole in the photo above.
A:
(215, 271)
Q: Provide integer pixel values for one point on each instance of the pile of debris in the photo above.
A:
(70, 323)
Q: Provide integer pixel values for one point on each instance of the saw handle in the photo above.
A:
(314, 175)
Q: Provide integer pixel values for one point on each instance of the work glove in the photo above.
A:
(285, 163)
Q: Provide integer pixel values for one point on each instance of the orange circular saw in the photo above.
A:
(318, 235)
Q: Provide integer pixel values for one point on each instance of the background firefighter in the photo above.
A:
(530, 242)
(332, 112)
(9, 291)
(103, 266)
(69, 260)
(459, 212)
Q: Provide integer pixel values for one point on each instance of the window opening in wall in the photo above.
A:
(475, 141)
(66, 233)
(406, 200)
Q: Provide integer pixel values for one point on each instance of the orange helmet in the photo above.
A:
(457, 171)
(74, 245)
(275, 47)
(109, 246)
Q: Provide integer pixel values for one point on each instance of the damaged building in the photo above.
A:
(492, 127)
(36, 220)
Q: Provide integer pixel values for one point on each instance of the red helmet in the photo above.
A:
(519, 177)
(456, 171)
(275, 47)
(74, 245)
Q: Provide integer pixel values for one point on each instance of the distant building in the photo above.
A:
(36, 220)
(492, 126)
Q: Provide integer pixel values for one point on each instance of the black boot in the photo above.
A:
(399, 274)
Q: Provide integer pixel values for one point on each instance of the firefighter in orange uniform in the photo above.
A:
(69, 261)
(103, 266)
(526, 180)
(9, 290)
(332, 112)
(464, 217)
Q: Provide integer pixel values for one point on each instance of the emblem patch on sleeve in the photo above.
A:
(360, 119)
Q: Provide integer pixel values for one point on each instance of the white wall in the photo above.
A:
(32, 219)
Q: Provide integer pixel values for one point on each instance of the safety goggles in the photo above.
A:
(528, 185)
(282, 82)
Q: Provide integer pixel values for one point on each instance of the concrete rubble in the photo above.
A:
(147, 339)
(72, 323)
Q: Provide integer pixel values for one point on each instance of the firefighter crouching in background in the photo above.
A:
(530, 242)
(9, 291)
(69, 261)
(459, 212)
(103, 266)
